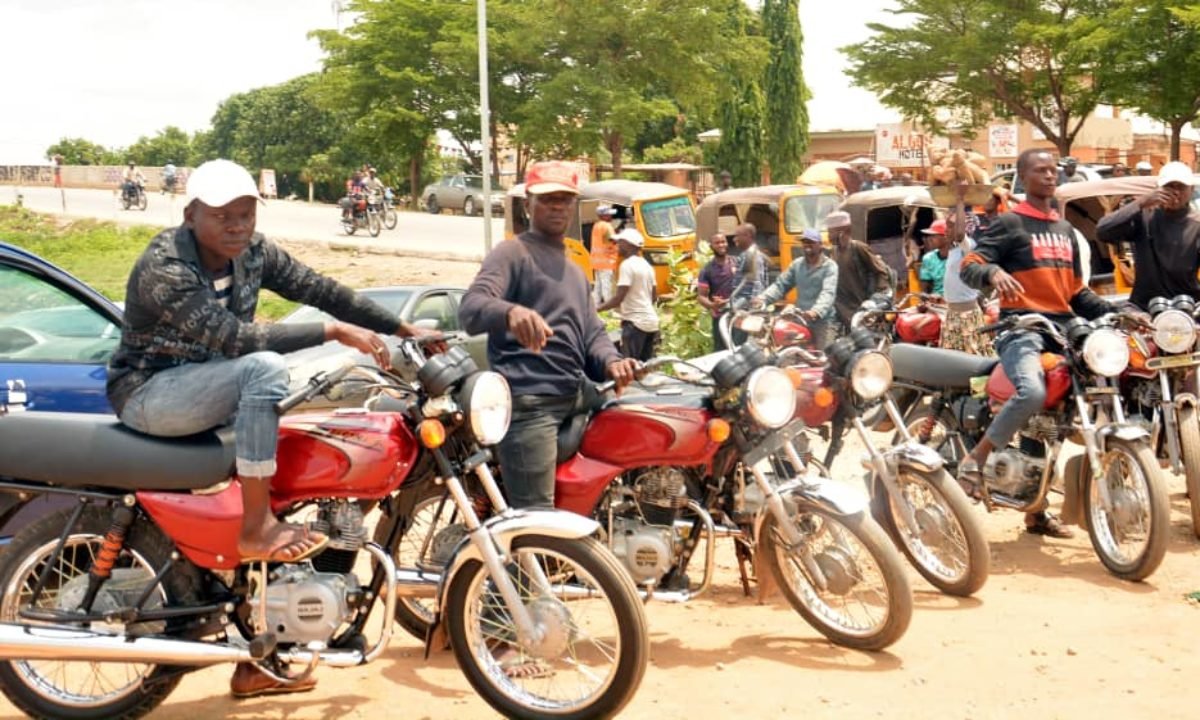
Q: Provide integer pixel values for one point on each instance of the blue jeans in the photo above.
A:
(528, 454)
(1020, 355)
(195, 397)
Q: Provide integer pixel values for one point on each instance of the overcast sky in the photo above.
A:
(113, 70)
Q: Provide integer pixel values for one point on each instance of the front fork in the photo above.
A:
(1170, 416)
(1091, 435)
(886, 465)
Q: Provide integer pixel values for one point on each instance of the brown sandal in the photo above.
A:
(1048, 525)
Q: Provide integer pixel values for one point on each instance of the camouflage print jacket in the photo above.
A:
(172, 315)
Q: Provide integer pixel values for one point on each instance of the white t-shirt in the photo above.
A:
(953, 288)
(638, 305)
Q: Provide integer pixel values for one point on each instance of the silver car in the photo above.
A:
(462, 193)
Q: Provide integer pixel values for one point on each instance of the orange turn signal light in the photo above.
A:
(823, 397)
(433, 433)
(718, 430)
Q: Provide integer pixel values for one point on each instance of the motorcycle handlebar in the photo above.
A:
(643, 370)
(316, 385)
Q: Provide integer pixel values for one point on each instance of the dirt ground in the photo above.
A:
(1051, 635)
(361, 269)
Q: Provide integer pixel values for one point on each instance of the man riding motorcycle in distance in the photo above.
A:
(815, 278)
(544, 335)
(191, 356)
(1031, 258)
(1165, 235)
(131, 179)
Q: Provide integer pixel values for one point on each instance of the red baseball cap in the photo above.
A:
(937, 227)
(551, 176)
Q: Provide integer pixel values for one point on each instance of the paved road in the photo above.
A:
(417, 234)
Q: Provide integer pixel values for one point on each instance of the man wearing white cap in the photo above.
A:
(192, 357)
(861, 273)
(1165, 235)
(634, 298)
(1144, 168)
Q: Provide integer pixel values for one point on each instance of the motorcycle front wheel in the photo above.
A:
(390, 217)
(141, 200)
(349, 226)
(862, 599)
(87, 690)
(593, 648)
(947, 546)
(1189, 444)
(1131, 539)
(374, 226)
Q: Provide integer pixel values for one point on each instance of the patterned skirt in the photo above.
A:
(960, 331)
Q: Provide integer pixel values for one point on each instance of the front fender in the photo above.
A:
(1121, 431)
(506, 528)
(916, 456)
(833, 497)
(1183, 400)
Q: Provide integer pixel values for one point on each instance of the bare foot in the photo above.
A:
(279, 542)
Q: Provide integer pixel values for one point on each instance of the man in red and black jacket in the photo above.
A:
(1031, 258)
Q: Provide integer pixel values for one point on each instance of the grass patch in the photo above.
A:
(100, 254)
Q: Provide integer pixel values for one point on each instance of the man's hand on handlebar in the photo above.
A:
(623, 372)
(361, 339)
(433, 341)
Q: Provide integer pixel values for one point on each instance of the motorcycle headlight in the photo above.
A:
(487, 403)
(1106, 353)
(770, 397)
(1174, 331)
(870, 375)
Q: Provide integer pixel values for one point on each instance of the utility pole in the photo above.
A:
(485, 138)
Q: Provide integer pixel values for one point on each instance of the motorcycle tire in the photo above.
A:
(374, 224)
(390, 218)
(782, 565)
(431, 205)
(1189, 444)
(949, 526)
(415, 615)
(519, 697)
(349, 226)
(469, 207)
(1155, 510)
(144, 544)
(141, 200)
(125, 202)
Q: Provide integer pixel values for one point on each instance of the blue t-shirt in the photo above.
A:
(933, 271)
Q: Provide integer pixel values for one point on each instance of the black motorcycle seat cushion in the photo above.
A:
(85, 450)
(936, 367)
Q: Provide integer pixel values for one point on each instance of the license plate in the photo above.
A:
(1172, 361)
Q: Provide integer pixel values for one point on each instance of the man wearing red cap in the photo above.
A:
(544, 335)
(933, 262)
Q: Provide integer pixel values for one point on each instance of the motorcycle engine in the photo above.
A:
(342, 522)
(648, 551)
(660, 492)
(1013, 473)
(304, 605)
(972, 413)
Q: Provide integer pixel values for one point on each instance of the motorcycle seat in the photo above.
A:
(936, 367)
(79, 450)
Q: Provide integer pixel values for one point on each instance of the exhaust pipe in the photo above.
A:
(35, 642)
(416, 583)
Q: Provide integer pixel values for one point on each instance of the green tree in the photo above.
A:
(740, 150)
(971, 60)
(78, 151)
(786, 95)
(170, 145)
(1151, 52)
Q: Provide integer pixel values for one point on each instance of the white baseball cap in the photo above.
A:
(1143, 165)
(631, 236)
(1176, 172)
(217, 183)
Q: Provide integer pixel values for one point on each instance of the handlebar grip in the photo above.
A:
(316, 385)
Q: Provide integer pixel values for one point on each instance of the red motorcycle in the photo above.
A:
(108, 603)
(916, 319)
(676, 462)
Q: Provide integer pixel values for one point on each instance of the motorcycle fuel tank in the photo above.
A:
(636, 435)
(1058, 382)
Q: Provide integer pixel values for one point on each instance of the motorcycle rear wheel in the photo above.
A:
(948, 546)
(1142, 509)
(848, 572)
(349, 225)
(390, 218)
(125, 203)
(1189, 443)
(609, 652)
(41, 688)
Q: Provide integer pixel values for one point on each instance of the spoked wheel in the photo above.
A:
(1131, 539)
(947, 545)
(1189, 442)
(374, 225)
(390, 217)
(349, 225)
(593, 647)
(845, 578)
(54, 689)
(426, 547)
